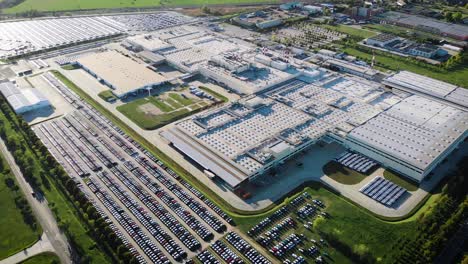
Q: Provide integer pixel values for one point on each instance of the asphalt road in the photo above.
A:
(43, 214)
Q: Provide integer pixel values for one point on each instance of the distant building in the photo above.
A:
(291, 5)
(312, 10)
(381, 40)
(451, 30)
(426, 51)
(23, 100)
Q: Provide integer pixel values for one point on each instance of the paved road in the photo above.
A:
(41, 246)
(41, 210)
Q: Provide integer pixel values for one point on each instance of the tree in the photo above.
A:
(457, 16)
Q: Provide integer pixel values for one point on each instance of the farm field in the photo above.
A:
(15, 234)
(64, 5)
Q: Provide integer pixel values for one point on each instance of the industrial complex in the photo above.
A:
(162, 121)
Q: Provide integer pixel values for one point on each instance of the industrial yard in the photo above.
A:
(253, 138)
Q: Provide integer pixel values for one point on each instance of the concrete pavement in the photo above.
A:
(40, 246)
(43, 214)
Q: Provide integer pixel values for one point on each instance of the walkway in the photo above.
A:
(41, 246)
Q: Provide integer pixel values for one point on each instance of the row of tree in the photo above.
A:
(38, 166)
(441, 222)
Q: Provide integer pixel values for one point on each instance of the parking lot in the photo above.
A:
(290, 235)
(158, 214)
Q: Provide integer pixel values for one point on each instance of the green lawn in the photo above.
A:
(15, 234)
(341, 174)
(64, 5)
(173, 108)
(355, 32)
(182, 100)
(107, 96)
(43, 258)
(400, 180)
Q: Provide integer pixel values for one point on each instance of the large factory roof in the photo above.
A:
(413, 82)
(416, 130)
(124, 74)
(210, 162)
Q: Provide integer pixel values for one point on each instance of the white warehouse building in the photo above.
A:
(23, 100)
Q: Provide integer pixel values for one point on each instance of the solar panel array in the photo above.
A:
(383, 191)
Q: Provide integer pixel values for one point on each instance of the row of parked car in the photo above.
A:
(144, 218)
(170, 202)
(127, 223)
(157, 209)
(226, 253)
(276, 231)
(280, 213)
(286, 245)
(246, 249)
(206, 257)
(184, 196)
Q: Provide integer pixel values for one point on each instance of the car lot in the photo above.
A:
(149, 205)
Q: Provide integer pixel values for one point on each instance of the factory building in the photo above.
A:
(120, 73)
(381, 40)
(455, 31)
(428, 87)
(23, 100)
(411, 134)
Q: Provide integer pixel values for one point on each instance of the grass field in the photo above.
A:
(341, 174)
(43, 258)
(355, 32)
(172, 108)
(400, 180)
(15, 234)
(64, 5)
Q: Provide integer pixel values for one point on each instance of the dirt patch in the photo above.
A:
(149, 109)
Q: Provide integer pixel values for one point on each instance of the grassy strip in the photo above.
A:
(15, 233)
(70, 67)
(43, 258)
(342, 174)
(221, 97)
(107, 96)
(400, 180)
